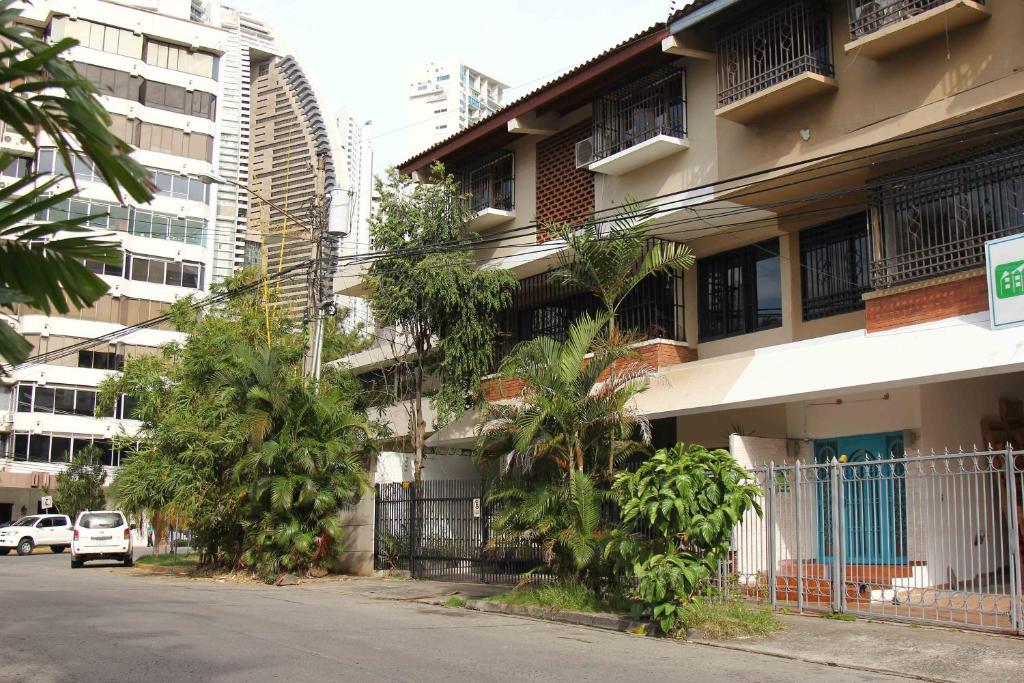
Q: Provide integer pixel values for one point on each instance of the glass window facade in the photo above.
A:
(739, 291)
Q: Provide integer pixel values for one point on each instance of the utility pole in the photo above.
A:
(315, 280)
(329, 219)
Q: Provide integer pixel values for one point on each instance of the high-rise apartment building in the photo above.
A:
(357, 180)
(446, 97)
(199, 90)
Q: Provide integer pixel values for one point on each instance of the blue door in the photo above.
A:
(873, 498)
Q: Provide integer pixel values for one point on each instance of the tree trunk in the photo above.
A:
(419, 426)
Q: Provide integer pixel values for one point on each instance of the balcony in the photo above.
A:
(640, 123)
(879, 28)
(934, 220)
(491, 191)
(771, 60)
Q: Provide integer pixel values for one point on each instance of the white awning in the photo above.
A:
(938, 351)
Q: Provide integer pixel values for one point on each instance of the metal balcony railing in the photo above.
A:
(490, 185)
(766, 47)
(652, 106)
(936, 219)
(868, 16)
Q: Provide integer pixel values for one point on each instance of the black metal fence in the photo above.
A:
(935, 219)
(868, 16)
(768, 46)
(648, 107)
(441, 530)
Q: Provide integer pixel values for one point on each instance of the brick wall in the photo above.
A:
(944, 300)
(564, 194)
(654, 356)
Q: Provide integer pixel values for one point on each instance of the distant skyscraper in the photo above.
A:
(356, 177)
(446, 97)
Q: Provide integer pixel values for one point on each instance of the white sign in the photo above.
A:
(1004, 264)
(476, 507)
(46, 502)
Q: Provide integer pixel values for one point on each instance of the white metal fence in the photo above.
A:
(923, 538)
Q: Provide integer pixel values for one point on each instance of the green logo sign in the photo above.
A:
(1010, 280)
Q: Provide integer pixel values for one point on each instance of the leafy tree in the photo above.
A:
(42, 92)
(678, 511)
(228, 423)
(80, 484)
(569, 405)
(430, 290)
(610, 260)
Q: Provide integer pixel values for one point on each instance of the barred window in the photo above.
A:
(739, 291)
(835, 267)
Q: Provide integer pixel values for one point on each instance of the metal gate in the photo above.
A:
(921, 538)
(441, 530)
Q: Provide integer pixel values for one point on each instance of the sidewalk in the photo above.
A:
(918, 652)
(923, 652)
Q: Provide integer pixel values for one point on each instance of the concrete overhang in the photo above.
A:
(531, 124)
(848, 362)
(642, 154)
(490, 217)
(784, 94)
(677, 45)
(917, 29)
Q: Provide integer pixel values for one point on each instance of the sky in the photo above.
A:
(360, 53)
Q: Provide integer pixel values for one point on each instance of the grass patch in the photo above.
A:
(168, 560)
(563, 596)
(726, 620)
(455, 601)
(838, 616)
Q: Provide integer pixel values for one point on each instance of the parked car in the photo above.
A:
(101, 535)
(28, 532)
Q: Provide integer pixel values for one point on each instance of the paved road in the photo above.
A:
(110, 624)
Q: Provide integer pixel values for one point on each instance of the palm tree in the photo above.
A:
(571, 403)
(303, 468)
(611, 264)
(40, 92)
(564, 520)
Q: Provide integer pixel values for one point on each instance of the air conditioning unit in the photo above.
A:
(585, 152)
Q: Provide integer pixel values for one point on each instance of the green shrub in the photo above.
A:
(455, 601)
(725, 620)
(563, 596)
(678, 511)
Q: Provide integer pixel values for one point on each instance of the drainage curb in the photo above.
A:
(609, 622)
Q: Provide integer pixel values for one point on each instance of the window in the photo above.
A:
(177, 99)
(157, 138)
(100, 360)
(18, 167)
(95, 36)
(442, 127)
(264, 68)
(111, 82)
(739, 291)
(440, 111)
(113, 270)
(177, 274)
(62, 448)
(253, 254)
(835, 267)
(443, 78)
(180, 58)
(171, 184)
(61, 400)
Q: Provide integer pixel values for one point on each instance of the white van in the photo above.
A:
(101, 535)
(28, 532)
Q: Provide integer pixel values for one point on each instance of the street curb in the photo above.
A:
(156, 569)
(602, 620)
(613, 622)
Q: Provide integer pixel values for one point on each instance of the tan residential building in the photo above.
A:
(839, 168)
